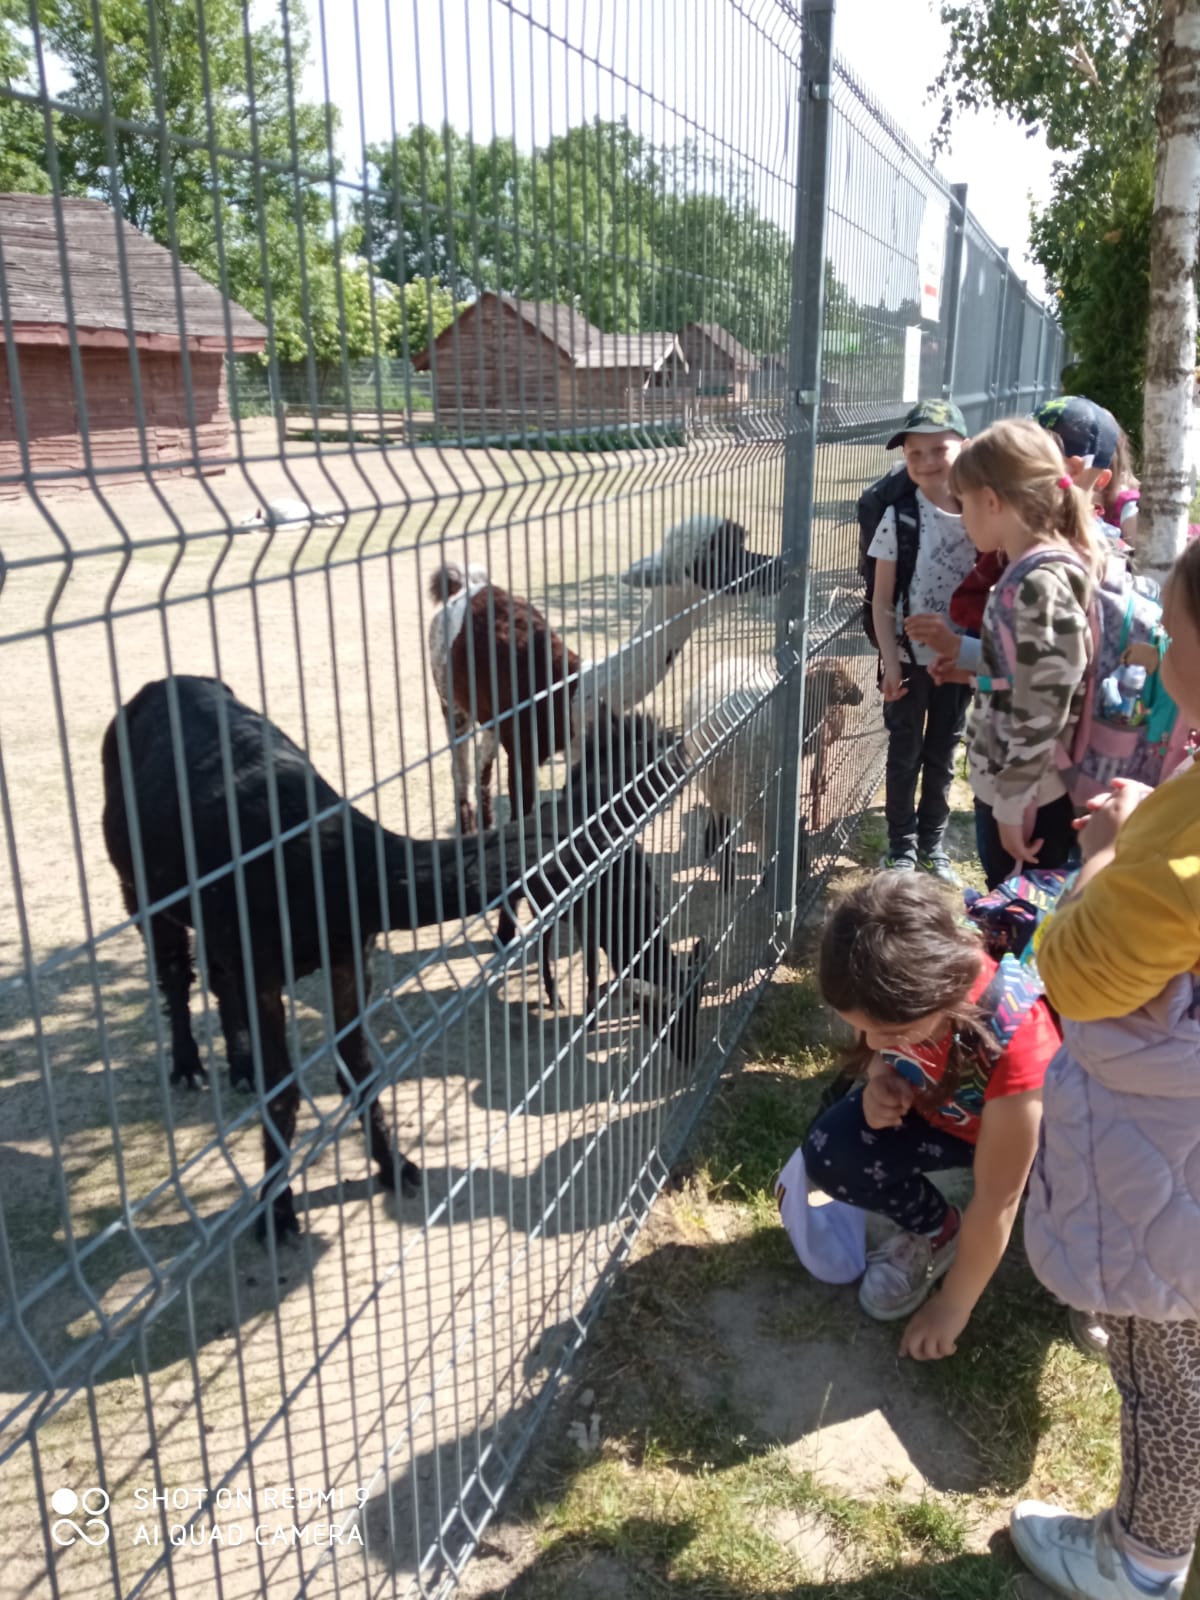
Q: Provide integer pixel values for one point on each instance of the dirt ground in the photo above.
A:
(397, 1351)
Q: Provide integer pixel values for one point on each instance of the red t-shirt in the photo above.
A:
(1020, 1068)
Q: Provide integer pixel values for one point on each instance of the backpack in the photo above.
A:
(1146, 743)
(896, 489)
(1006, 1002)
(1008, 915)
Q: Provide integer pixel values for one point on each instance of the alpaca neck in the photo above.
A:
(433, 880)
(629, 673)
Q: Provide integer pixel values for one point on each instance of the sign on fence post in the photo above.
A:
(803, 415)
(931, 258)
(954, 272)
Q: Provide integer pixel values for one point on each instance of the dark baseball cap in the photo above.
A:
(1084, 429)
(931, 416)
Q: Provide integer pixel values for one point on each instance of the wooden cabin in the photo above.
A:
(509, 363)
(173, 338)
(719, 366)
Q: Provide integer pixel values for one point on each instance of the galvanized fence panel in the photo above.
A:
(310, 1185)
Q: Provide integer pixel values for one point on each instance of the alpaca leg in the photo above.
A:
(591, 971)
(225, 977)
(356, 1067)
(279, 1118)
(506, 928)
(173, 963)
(458, 724)
(548, 975)
(522, 773)
(173, 958)
(487, 763)
(820, 779)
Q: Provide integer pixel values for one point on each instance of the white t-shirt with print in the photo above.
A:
(944, 557)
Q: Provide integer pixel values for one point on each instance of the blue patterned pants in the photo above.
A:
(883, 1169)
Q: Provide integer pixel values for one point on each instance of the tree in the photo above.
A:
(1083, 73)
(241, 186)
(632, 236)
(424, 308)
(1114, 86)
(1174, 259)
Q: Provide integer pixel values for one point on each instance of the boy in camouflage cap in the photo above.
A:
(924, 719)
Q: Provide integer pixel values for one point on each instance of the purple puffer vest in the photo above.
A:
(1113, 1218)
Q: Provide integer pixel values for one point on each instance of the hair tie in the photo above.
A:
(1065, 483)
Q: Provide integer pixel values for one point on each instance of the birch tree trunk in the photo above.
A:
(1174, 242)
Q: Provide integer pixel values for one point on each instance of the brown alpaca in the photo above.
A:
(829, 689)
(498, 662)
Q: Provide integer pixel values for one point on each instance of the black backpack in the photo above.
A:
(896, 489)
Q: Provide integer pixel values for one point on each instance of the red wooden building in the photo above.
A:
(505, 361)
(164, 320)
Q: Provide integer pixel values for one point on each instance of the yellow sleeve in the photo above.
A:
(1137, 924)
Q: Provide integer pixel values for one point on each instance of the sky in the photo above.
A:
(717, 70)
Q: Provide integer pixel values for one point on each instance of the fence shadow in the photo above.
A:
(709, 1344)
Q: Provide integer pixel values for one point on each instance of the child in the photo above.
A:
(924, 720)
(1114, 1208)
(1090, 438)
(899, 965)
(1017, 498)
(1120, 500)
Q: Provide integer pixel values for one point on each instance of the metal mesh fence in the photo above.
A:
(365, 959)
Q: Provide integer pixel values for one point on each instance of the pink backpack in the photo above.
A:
(1146, 743)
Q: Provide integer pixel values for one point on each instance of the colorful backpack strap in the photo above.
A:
(1008, 1000)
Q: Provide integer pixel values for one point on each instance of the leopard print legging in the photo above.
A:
(1156, 1368)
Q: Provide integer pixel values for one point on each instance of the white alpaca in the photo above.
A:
(288, 513)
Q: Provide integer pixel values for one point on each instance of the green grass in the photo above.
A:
(692, 1496)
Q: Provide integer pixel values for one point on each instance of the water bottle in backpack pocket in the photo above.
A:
(1129, 727)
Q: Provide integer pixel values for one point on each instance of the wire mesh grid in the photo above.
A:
(394, 399)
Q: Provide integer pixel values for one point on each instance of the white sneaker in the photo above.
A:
(1076, 1556)
(901, 1272)
(1089, 1335)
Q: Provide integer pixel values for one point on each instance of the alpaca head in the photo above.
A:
(708, 552)
(452, 578)
(832, 684)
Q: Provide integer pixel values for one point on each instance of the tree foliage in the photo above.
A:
(242, 186)
(1082, 72)
(633, 236)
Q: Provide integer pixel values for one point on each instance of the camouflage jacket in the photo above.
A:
(1014, 731)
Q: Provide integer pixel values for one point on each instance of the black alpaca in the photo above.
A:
(329, 857)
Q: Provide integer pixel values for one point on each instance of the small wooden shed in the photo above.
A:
(720, 365)
(162, 323)
(504, 359)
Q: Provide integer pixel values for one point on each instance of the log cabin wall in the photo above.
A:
(52, 422)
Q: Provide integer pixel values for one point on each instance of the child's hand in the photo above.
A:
(1107, 815)
(947, 670)
(886, 1100)
(893, 683)
(934, 1330)
(1015, 844)
(930, 629)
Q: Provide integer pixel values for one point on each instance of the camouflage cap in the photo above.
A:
(930, 416)
(1084, 429)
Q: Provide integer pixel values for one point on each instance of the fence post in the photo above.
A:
(998, 348)
(804, 401)
(1038, 377)
(1018, 350)
(953, 281)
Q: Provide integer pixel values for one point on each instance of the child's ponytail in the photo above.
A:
(1076, 523)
